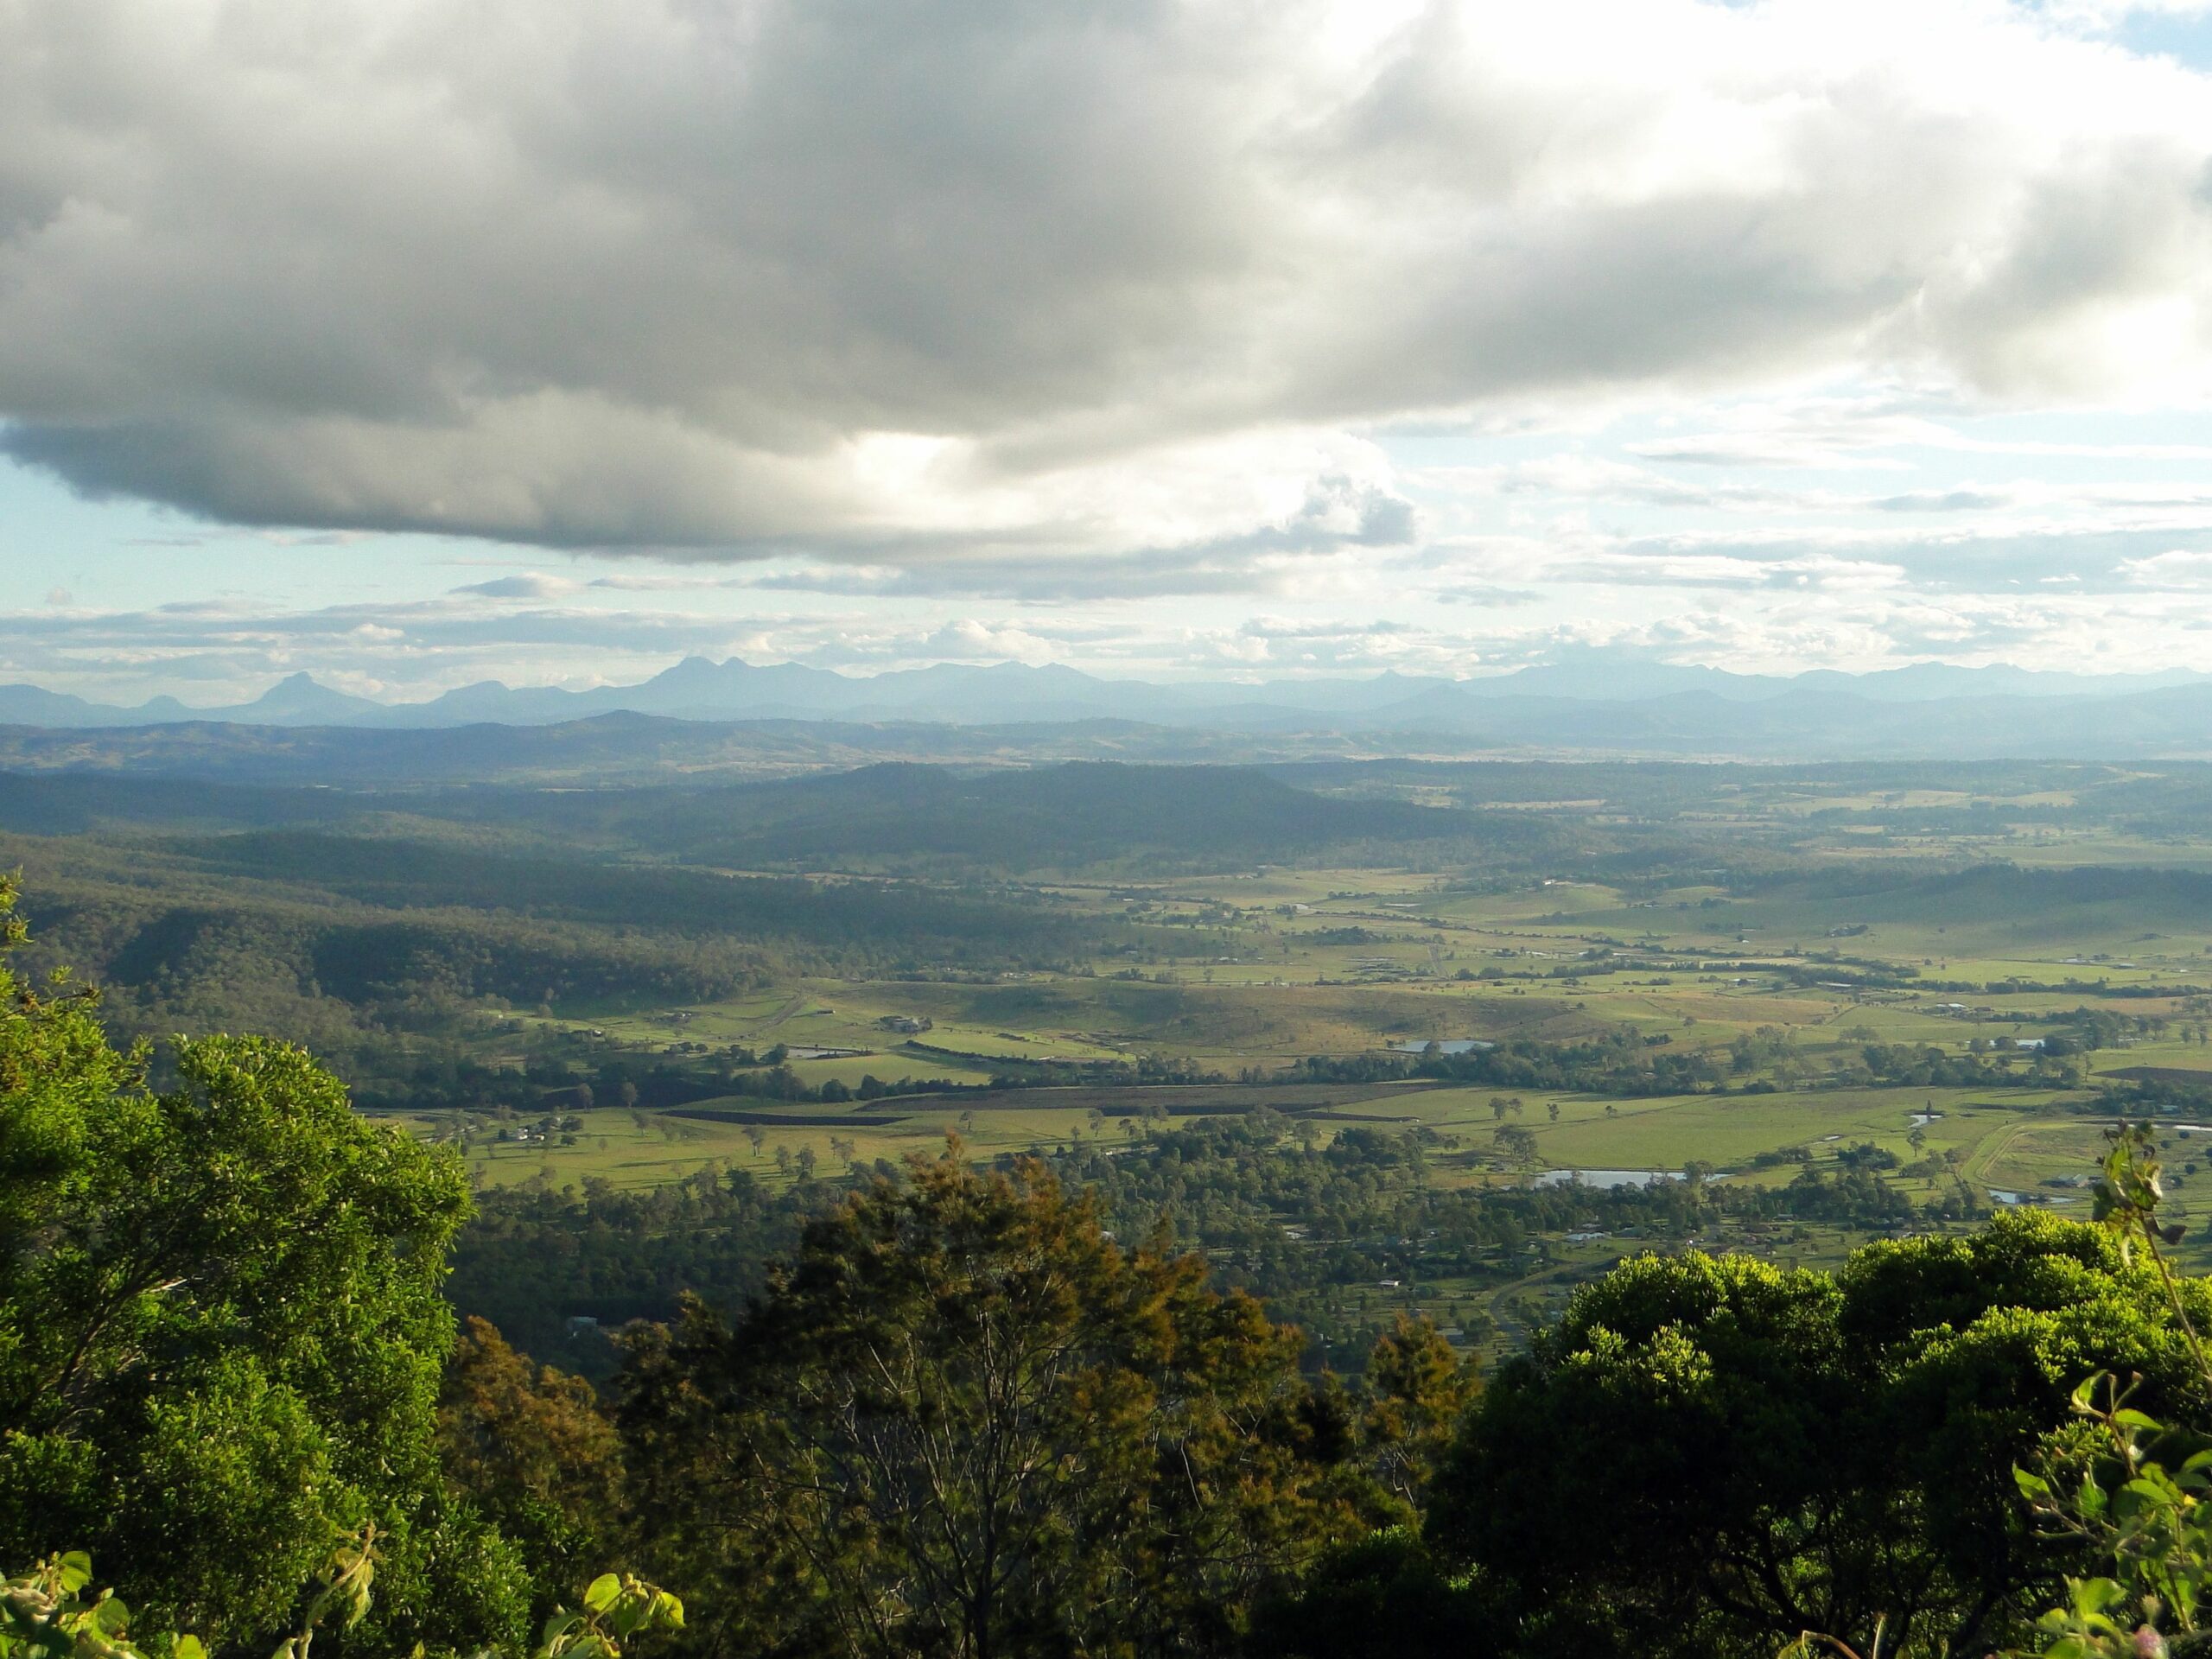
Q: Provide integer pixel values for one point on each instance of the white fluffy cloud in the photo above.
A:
(1012, 285)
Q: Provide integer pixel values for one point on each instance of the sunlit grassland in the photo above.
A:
(2007, 1140)
(631, 1148)
(615, 1145)
(1728, 1131)
(1260, 985)
(1284, 885)
(1264, 976)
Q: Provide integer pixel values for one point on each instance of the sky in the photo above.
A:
(413, 343)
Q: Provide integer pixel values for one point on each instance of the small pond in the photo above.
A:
(1606, 1177)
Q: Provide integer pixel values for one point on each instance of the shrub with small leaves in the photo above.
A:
(2154, 1525)
(52, 1612)
(2121, 1496)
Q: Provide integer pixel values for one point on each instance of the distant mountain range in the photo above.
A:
(735, 718)
(1624, 701)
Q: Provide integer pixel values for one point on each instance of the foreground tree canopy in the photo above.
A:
(967, 1422)
(1711, 1456)
(221, 1334)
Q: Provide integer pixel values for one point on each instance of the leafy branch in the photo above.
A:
(2151, 1525)
(51, 1612)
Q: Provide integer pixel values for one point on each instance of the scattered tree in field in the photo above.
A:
(1517, 1145)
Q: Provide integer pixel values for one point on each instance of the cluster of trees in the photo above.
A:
(232, 956)
(932, 819)
(2172, 1093)
(1713, 1457)
(530, 1262)
(334, 935)
(1923, 1067)
(222, 1335)
(822, 926)
(1627, 1065)
(2094, 1028)
(965, 1420)
(1309, 1229)
(1620, 1063)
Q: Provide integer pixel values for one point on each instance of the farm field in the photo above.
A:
(1382, 963)
(1551, 964)
(1844, 1008)
(2013, 1145)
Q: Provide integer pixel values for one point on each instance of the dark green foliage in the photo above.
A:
(201, 955)
(1707, 1457)
(1363, 1210)
(529, 1446)
(65, 804)
(1004, 819)
(965, 1422)
(1228, 1186)
(1038, 817)
(531, 1260)
(1990, 889)
(829, 918)
(1382, 1597)
(1619, 1063)
(51, 1611)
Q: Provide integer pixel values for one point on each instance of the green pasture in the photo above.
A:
(889, 1066)
(614, 1147)
(1726, 1130)
(2169, 1054)
(2007, 1139)
(1285, 885)
(1255, 987)
(1252, 985)
(2066, 848)
(644, 1148)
